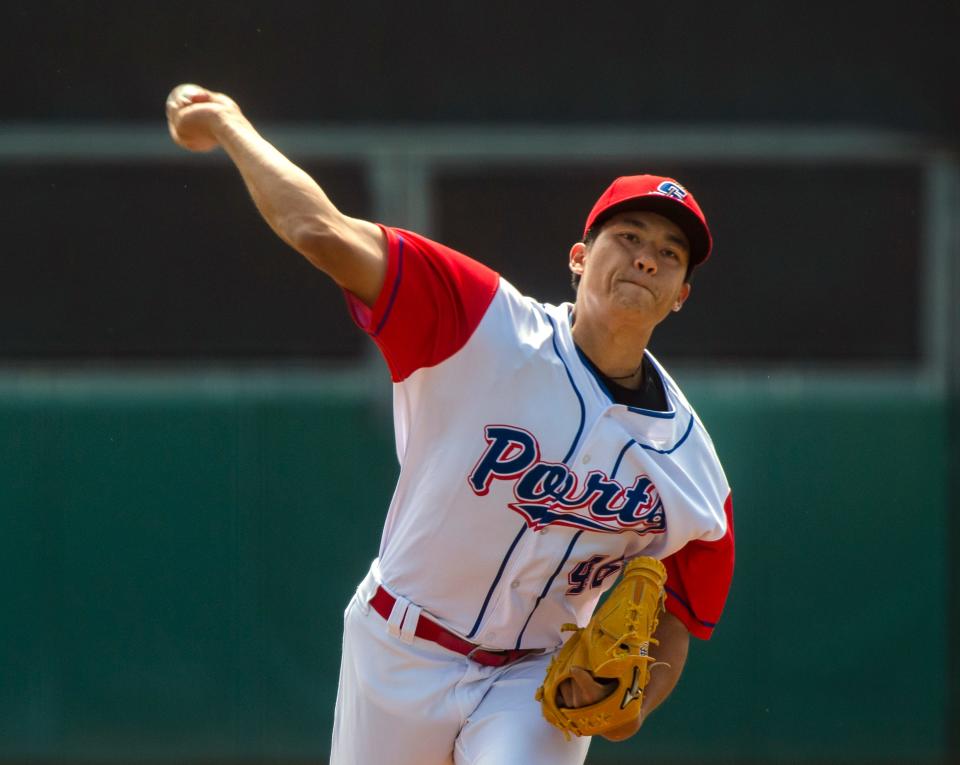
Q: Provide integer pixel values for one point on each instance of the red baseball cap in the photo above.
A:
(660, 195)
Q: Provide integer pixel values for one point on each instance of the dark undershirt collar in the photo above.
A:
(650, 395)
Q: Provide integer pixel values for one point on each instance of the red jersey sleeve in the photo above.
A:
(432, 300)
(698, 580)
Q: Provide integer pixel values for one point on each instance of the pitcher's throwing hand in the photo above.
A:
(194, 114)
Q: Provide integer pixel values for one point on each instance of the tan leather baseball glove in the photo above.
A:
(614, 647)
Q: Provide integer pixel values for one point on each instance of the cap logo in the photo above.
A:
(671, 189)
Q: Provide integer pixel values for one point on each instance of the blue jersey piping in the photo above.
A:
(496, 580)
(672, 593)
(396, 286)
(570, 451)
(549, 584)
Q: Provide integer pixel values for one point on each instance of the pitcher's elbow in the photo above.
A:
(316, 240)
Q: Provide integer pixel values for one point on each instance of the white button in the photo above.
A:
(586, 458)
(514, 584)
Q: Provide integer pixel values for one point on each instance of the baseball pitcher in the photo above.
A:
(546, 457)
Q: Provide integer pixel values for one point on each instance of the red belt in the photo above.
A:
(382, 602)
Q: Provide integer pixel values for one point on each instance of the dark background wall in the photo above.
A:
(176, 250)
(173, 575)
(876, 63)
(170, 261)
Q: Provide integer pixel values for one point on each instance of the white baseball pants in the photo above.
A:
(403, 700)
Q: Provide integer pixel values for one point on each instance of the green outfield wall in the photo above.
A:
(177, 553)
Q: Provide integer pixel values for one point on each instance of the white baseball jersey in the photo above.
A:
(523, 486)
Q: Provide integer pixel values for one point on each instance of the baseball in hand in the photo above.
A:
(192, 114)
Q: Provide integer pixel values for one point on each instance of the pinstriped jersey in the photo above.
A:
(523, 486)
